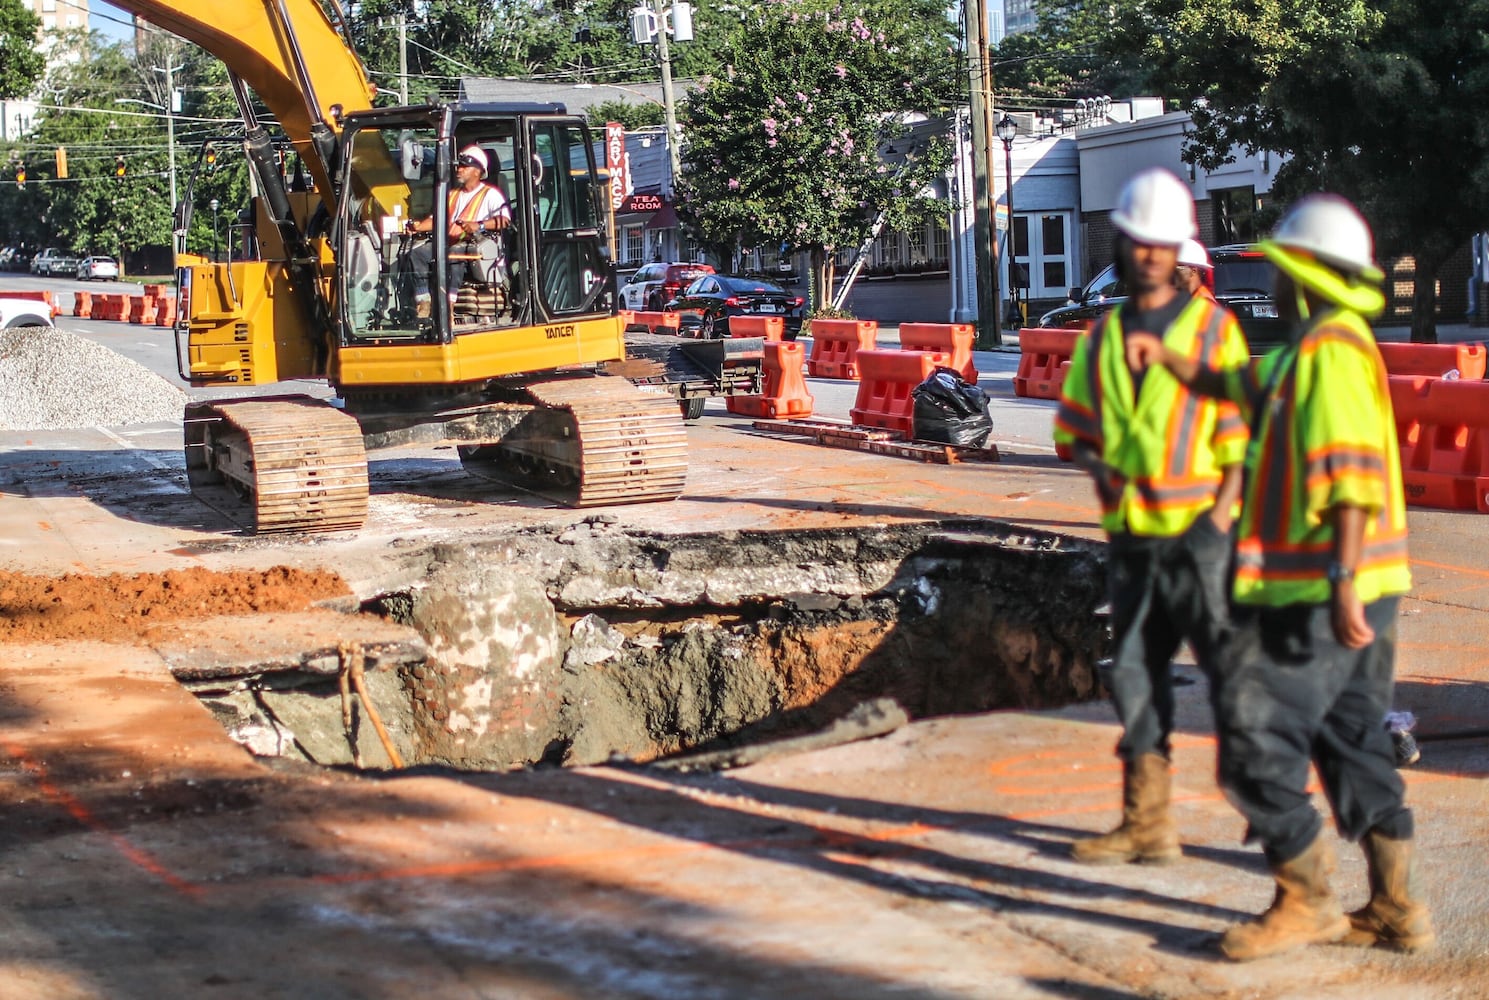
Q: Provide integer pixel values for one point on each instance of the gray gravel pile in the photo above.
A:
(54, 380)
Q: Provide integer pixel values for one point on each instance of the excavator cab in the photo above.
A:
(546, 265)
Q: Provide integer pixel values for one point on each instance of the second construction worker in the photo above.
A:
(1195, 273)
(1320, 569)
(1167, 469)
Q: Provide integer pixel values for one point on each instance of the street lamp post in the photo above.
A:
(1006, 130)
(213, 205)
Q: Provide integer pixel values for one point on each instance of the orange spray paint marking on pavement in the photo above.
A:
(77, 810)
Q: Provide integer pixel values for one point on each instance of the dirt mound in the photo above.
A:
(121, 607)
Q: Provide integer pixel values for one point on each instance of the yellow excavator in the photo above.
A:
(510, 366)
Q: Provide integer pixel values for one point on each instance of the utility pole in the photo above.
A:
(402, 60)
(669, 108)
(170, 122)
(984, 234)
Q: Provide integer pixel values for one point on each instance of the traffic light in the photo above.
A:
(119, 167)
(20, 175)
(211, 158)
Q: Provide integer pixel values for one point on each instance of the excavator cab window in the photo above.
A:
(572, 270)
(392, 183)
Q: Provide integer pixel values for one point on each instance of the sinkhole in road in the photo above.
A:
(592, 643)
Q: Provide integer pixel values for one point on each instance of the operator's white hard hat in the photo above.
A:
(1192, 253)
(1332, 230)
(1155, 207)
(478, 156)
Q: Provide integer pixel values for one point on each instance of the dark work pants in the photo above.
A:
(1292, 694)
(1163, 591)
(421, 259)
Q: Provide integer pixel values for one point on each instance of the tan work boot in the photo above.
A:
(421, 308)
(1147, 831)
(1304, 910)
(1393, 918)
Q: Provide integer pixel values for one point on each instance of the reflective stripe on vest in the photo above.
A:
(1310, 455)
(1168, 443)
(470, 208)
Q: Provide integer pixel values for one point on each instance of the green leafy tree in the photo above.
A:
(21, 64)
(570, 40)
(632, 116)
(1068, 55)
(785, 147)
(1380, 102)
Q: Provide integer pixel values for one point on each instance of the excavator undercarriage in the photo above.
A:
(297, 464)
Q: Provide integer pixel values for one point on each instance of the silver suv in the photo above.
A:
(52, 261)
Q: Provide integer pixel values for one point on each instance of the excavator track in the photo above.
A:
(591, 441)
(290, 463)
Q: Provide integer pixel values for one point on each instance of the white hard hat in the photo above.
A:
(1155, 207)
(1331, 229)
(1193, 254)
(477, 155)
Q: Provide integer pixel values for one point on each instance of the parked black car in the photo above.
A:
(1243, 281)
(709, 301)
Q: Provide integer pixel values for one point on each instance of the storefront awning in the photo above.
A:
(664, 218)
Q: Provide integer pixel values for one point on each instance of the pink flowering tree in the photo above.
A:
(790, 143)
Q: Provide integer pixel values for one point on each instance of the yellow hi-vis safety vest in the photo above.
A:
(1327, 437)
(1169, 444)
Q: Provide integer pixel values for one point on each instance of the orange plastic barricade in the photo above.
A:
(785, 394)
(769, 327)
(1443, 427)
(1044, 357)
(955, 339)
(654, 321)
(107, 306)
(155, 291)
(82, 304)
(884, 383)
(165, 312)
(137, 303)
(835, 346)
(1434, 359)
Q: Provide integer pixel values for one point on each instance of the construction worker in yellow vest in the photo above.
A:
(1320, 568)
(1195, 273)
(1167, 469)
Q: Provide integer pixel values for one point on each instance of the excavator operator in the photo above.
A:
(475, 209)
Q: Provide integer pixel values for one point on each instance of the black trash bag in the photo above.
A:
(950, 410)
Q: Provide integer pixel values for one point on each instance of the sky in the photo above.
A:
(99, 20)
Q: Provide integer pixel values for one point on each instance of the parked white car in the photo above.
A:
(98, 267)
(24, 312)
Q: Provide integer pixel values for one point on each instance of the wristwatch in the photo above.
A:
(1340, 573)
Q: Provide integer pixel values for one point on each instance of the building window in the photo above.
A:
(49, 5)
(635, 244)
(940, 242)
(1235, 215)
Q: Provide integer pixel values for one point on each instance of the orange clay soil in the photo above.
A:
(121, 607)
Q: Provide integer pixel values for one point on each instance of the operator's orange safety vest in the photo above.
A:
(1169, 444)
(470, 208)
(1327, 437)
